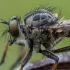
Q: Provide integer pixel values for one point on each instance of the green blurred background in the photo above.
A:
(19, 8)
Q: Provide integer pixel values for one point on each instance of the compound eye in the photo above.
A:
(13, 25)
(36, 18)
(13, 28)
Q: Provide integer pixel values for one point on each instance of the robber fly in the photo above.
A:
(40, 27)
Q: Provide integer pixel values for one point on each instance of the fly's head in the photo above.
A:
(14, 26)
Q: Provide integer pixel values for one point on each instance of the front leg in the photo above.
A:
(25, 44)
(52, 56)
(10, 42)
(28, 56)
(4, 53)
(22, 54)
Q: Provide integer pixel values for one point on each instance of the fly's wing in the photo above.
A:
(63, 28)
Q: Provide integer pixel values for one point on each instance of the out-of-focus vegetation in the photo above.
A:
(19, 8)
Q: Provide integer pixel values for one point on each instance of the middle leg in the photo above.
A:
(52, 56)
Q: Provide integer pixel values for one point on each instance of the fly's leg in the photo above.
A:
(4, 53)
(10, 42)
(50, 47)
(28, 56)
(22, 54)
(23, 43)
(27, 44)
(63, 49)
(52, 56)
